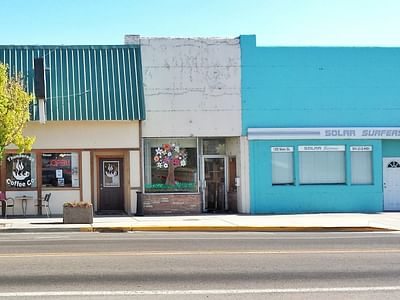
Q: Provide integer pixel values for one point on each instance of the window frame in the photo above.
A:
(362, 149)
(323, 148)
(34, 185)
(78, 166)
(148, 156)
(286, 150)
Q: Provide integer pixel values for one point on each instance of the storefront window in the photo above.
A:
(282, 165)
(170, 165)
(361, 164)
(214, 146)
(60, 169)
(322, 164)
(21, 171)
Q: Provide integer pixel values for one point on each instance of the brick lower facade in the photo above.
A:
(171, 204)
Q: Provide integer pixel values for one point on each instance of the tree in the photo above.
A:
(170, 157)
(14, 113)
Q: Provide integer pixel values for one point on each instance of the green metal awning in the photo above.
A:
(83, 82)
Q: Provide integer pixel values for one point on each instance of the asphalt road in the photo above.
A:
(200, 265)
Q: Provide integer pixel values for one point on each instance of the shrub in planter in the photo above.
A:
(78, 213)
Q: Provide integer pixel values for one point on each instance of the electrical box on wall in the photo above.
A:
(237, 181)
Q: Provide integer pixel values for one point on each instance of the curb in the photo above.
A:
(39, 230)
(232, 229)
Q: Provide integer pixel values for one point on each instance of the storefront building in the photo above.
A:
(322, 128)
(192, 153)
(87, 134)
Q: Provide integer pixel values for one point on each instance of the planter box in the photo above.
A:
(78, 215)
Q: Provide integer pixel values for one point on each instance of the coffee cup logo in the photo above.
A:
(19, 171)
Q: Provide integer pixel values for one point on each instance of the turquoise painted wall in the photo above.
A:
(391, 148)
(268, 198)
(318, 87)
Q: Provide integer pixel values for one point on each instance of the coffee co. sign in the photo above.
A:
(20, 175)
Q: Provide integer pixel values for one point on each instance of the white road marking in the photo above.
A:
(205, 252)
(214, 236)
(202, 292)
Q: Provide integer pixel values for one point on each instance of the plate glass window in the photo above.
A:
(111, 175)
(361, 164)
(170, 165)
(282, 165)
(322, 164)
(60, 169)
(21, 171)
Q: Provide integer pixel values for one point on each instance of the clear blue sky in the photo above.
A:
(275, 22)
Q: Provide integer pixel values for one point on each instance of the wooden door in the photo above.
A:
(111, 187)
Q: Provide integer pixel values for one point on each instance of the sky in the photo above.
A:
(274, 22)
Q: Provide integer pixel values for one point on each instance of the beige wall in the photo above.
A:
(57, 199)
(135, 173)
(86, 175)
(84, 134)
(109, 137)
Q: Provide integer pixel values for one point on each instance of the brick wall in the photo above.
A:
(171, 204)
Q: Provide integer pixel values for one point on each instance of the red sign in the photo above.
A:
(60, 163)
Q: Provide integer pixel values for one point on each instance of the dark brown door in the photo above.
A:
(111, 185)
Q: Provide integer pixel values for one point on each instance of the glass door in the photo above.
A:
(214, 183)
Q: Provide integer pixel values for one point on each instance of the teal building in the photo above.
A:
(323, 128)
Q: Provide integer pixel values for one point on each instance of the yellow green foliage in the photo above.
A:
(14, 113)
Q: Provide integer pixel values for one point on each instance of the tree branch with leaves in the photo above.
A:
(14, 113)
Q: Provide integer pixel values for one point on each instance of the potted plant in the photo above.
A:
(78, 212)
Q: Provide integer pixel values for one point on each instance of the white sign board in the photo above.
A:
(59, 173)
(282, 149)
(322, 148)
(324, 133)
(361, 148)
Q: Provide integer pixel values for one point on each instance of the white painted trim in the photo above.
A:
(318, 290)
(334, 133)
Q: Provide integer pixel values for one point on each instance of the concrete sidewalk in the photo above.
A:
(207, 222)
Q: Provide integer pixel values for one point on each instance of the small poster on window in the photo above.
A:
(111, 175)
(60, 181)
(59, 173)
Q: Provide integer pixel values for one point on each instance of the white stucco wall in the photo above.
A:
(84, 134)
(192, 87)
(244, 204)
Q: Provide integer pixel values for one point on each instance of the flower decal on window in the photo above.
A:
(170, 156)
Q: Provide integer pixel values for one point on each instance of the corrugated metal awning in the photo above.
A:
(83, 82)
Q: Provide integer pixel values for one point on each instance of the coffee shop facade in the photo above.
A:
(87, 128)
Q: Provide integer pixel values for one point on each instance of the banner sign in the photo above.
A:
(376, 133)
